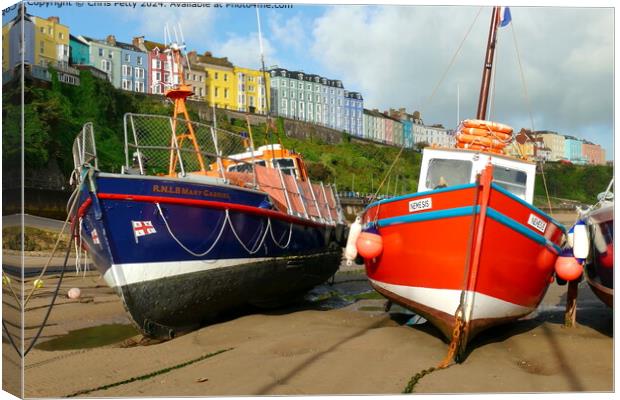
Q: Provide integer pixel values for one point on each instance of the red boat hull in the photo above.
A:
(426, 263)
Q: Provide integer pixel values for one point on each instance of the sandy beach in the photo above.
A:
(311, 349)
(338, 340)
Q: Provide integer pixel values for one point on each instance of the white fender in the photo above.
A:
(581, 243)
(598, 238)
(350, 251)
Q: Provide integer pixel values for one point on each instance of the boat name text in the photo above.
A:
(419, 205)
(189, 192)
(537, 223)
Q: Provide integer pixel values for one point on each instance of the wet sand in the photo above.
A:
(307, 349)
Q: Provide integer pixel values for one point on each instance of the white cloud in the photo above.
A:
(244, 51)
(288, 33)
(396, 55)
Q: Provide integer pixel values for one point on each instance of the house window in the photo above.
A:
(301, 85)
(127, 57)
(139, 87)
(126, 70)
(251, 101)
(42, 47)
(216, 92)
(126, 84)
(61, 35)
(284, 93)
(216, 76)
(100, 52)
(157, 76)
(225, 77)
(106, 65)
(139, 60)
(225, 93)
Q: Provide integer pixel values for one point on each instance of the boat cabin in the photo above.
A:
(451, 167)
(270, 156)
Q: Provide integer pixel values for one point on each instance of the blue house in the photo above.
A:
(79, 51)
(353, 109)
(134, 67)
(407, 133)
(573, 151)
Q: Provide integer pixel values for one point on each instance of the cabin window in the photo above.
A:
(510, 179)
(286, 165)
(444, 173)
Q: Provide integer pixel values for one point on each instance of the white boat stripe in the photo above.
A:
(447, 300)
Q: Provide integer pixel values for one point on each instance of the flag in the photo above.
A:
(142, 228)
(504, 16)
(95, 236)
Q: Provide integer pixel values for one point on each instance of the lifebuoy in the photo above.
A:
(486, 132)
(482, 124)
(480, 140)
(469, 146)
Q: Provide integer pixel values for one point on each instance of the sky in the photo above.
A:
(554, 67)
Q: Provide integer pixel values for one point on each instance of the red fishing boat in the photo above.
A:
(469, 250)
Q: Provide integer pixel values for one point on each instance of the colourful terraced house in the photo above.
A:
(11, 33)
(249, 90)
(159, 66)
(220, 79)
(104, 56)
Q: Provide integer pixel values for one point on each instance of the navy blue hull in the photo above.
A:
(204, 248)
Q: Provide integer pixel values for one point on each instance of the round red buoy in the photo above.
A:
(369, 245)
(607, 258)
(568, 268)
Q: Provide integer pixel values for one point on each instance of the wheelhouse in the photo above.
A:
(445, 167)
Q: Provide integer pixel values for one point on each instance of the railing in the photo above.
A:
(84, 149)
(156, 145)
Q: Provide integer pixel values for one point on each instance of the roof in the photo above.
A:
(128, 46)
(306, 77)
(78, 39)
(208, 59)
(149, 45)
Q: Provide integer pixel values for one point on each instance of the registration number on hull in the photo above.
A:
(537, 223)
(421, 204)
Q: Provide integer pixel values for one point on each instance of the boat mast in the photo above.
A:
(488, 65)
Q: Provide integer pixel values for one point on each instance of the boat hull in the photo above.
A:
(200, 249)
(427, 260)
(599, 268)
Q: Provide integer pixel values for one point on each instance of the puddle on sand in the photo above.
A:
(90, 337)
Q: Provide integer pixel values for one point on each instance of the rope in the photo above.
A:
(452, 61)
(182, 245)
(374, 196)
(277, 243)
(529, 109)
(256, 248)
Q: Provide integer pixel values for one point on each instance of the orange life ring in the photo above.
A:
(480, 140)
(482, 124)
(486, 132)
(478, 147)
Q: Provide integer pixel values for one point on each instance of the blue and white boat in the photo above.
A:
(198, 221)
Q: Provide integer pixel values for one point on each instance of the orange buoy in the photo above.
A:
(369, 245)
(568, 268)
(486, 132)
(607, 259)
(482, 124)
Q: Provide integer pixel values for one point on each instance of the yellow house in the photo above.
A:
(250, 91)
(51, 42)
(220, 79)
